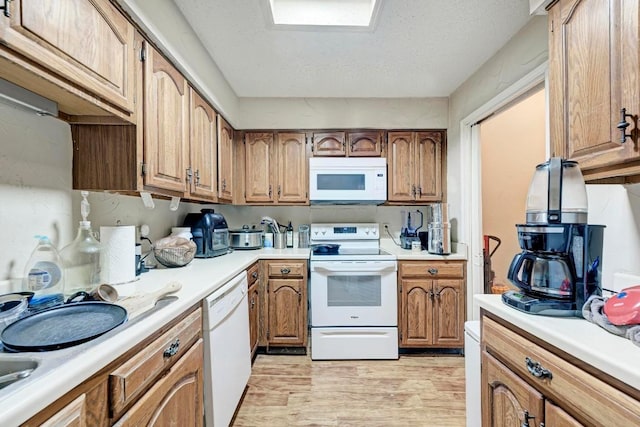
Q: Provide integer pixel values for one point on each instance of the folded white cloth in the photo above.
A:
(593, 311)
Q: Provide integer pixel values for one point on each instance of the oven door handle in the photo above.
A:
(359, 268)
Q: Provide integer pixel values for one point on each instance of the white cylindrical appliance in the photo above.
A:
(472, 372)
(227, 361)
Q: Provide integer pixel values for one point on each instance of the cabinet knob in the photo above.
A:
(537, 370)
(433, 271)
(285, 270)
(172, 349)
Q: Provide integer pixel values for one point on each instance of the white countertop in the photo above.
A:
(23, 399)
(588, 342)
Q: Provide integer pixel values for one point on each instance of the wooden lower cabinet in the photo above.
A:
(286, 303)
(431, 304)
(524, 376)
(158, 383)
(175, 399)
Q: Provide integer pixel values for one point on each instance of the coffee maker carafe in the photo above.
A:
(561, 259)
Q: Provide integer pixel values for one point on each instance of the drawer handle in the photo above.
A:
(172, 349)
(433, 271)
(537, 370)
(285, 270)
(254, 275)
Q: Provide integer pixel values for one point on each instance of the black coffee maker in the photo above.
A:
(561, 260)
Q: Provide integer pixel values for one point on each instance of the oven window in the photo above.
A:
(354, 291)
(340, 181)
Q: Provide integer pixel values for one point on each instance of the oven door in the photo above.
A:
(353, 293)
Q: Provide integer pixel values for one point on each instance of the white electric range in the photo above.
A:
(353, 293)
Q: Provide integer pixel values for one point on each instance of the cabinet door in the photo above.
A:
(506, 397)
(329, 144)
(86, 42)
(175, 399)
(400, 159)
(428, 166)
(593, 50)
(166, 124)
(287, 312)
(225, 160)
(416, 308)
(260, 164)
(364, 144)
(448, 313)
(253, 318)
(293, 172)
(557, 417)
(203, 149)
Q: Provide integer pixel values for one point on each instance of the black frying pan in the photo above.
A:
(62, 326)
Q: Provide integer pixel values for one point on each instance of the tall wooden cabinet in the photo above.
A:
(523, 376)
(416, 166)
(88, 43)
(594, 67)
(286, 303)
(166, 124)
(275, 168)
(431, 304)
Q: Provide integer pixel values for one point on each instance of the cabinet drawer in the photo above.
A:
(253, 274)
(435, 269)
(574, 389)
(286, 269)
(134, 376)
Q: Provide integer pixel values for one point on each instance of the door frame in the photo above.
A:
(471, 173)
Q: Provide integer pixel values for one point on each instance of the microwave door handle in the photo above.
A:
(353, 268)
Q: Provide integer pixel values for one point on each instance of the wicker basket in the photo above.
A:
(175, 257)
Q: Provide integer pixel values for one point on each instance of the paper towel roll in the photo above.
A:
(117, 259)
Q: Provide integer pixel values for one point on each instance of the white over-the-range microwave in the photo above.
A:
(347, 180)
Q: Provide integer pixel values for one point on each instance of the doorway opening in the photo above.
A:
(471, 230)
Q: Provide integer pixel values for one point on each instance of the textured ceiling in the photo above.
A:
(418, 48)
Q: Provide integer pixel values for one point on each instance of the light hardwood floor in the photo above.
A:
(411, 391)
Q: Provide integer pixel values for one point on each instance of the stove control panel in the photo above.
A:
(346, 231)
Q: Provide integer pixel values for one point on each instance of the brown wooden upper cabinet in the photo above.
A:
(415, 161)
(275, 168)
(594, 67)
(350, 143)
(202, 174)
(225, 160)
(166, 124)
(88, 43)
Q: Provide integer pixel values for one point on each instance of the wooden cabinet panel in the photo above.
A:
(292, 182)
(260, 164)
(567, 383)
(416, 316)
(203, 149)
(132, 378)
(364, 144)
(416, 166)
(593, 73)
(175, 399)
(428, 166)
(506, 397)
(400, 159)
(86, 42)
(225, 160)
(287, 312)
(448, 312)
(329, 144)
(166, 124)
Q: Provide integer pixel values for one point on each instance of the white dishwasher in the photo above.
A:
(227, 364)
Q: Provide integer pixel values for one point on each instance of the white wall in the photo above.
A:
(36, 195)
(313, 113)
